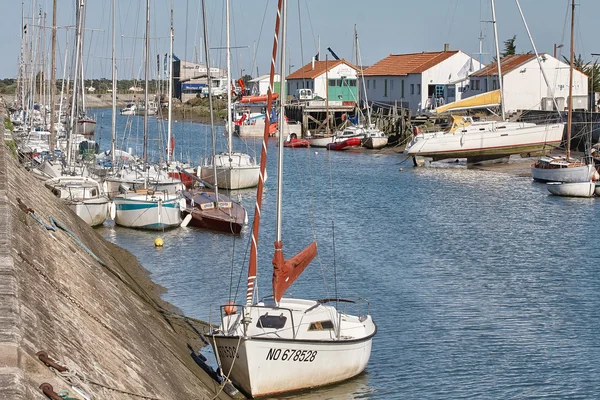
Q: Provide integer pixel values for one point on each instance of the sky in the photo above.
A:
(384, 27)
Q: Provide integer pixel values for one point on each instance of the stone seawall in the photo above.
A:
(104, 319)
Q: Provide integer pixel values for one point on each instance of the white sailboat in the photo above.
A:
(147, 209)
(483, 140)
(572, 189)
(564, 168)
(234, 169)
(278, 344)
(83, 195)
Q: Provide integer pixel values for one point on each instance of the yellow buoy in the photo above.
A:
(158, 242)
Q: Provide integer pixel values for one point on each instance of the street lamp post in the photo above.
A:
(556, 47)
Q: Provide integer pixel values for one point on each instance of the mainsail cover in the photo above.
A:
(484, 100)
(285, 272)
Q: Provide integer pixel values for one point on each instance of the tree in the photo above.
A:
(591, 70)
(509, 47)
(246, 78)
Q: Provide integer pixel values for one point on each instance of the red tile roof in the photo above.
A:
(307, 71)
(404, 64)
(507, 64)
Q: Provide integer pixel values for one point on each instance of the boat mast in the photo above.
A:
(73, 122)
(498, 60)
(114, 89)
(571, 61)
(146, 73)
(83, 14)
(228, 50)
(53, 82)
(210, 103)
(537, 56)
(170, 88)
(263, 166)
(281, 122)
(360, 69)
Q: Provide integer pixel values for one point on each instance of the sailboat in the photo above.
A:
(147, 208)
(479, 141)
(371, 137)
(211, 209)
(559, 168)
(279, 344)
(234, 169)
(83, 195)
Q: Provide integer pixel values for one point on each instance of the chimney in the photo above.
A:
(313, 63)
(446, 47)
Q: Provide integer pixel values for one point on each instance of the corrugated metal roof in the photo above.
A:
(507, 64)
(308, 72)
(404, 64)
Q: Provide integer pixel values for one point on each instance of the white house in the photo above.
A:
(524, 85)
(419, 81)
(259, 86)
(341, 74)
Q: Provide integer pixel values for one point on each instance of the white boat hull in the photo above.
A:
(574, 174)
(376, 142)
(92, 211)
(235, 170)
(146, 212)
(271, 366)
(86, 127)
(486, 141)
(232, 178)
(572, 189)
(322, 141)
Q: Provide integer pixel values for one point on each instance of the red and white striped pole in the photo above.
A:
(263, 165)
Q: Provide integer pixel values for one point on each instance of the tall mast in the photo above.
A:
(72, 121)
(537, 56)
(263, 167)
(147, 63)
(498, 60)
(210, 102)
(21, 93)
(228, 50)
(360, 69)
(572, 60)
(281, 121)
(53, 81)
(170, 87)
(113, 137)
(83, 14)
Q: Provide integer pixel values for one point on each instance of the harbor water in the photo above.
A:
(482, 285)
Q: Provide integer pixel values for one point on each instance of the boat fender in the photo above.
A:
(230, 308)
(416, 130)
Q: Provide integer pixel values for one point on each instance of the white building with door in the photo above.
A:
(316, 75)
(419, 81)
(524, 84)
(259, 86)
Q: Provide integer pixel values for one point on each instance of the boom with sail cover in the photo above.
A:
(484, 100)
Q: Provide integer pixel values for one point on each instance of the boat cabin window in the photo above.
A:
(321, 326)
(271, 321)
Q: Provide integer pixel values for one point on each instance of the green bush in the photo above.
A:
(8, 125)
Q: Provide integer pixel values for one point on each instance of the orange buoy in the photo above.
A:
(230, 308)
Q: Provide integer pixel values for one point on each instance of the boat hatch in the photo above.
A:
(271, 321)
(321, 326)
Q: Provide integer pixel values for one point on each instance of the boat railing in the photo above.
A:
(346, 305)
